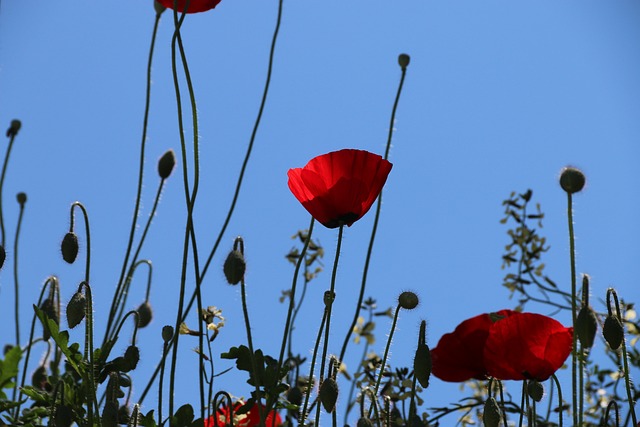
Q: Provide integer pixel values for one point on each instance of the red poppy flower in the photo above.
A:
(526, 346)
(194, 5)
(341, 186)
(250, 419)
(459, 355)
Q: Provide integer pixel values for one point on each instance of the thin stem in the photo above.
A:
(15, 274)
(305, 406)
(88, 353)
(557, 382)
(88, 234)
(4, 171)
(574, 352)
(502, 405)
(372, 239)
(386, 352)
(136, 209)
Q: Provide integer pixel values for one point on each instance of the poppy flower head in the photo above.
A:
(341, 186)
(458, 356)
(193, 7)
(527, 346)
(223, 417)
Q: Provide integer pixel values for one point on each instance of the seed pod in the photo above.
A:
(145, 314)
(166, 164)
(408, 300)
(586, 326)
(572, 180)
(492, 414)
(234, 267)
(76, 309)
(403, 60)
(69, 247)
(613, 331)
(329, 394)
(422, 365)
(21, 198)
(535, 390)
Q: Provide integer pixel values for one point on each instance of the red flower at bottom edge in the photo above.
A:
(526, 346)
(339, 187)
(194, 5)
(459, 355)
(250, 419)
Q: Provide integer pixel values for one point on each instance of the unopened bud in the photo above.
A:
(69, 247)
(491, 415)
(403, 60)
(166, 164)
(234, 267)
(572, 180)
(586, 326)
(535, 390)
(76, 309)
(145, 314)
(167, 333)
(14, 128)
(21, 198)
(131, 357)
(329, 394)
(408, 300)
(613, 331)
(50, 309)
(422, 365)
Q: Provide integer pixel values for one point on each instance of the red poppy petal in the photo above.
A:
(527, 346)
(194, 5)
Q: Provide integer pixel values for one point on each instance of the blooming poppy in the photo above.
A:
(250, 419)
(339, 187)
(194, 5)
(526, 346)
(459, 355)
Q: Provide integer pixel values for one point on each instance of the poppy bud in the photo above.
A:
(21, 198)
(613, 331)
(39, 378)
(234, 267)
(364, 422)
(572, 180)
(329, 297)
(408, 300)
(69, 247)
(422, 365)
(3, 255)
(145, 314)
(294, 395)
(535, 390)
(76, 309)
(124, 415)
(49, 308)
(491, 415)
(586, 326)
(403, 60)
(329, 394)
(166, 164)
(124, 381)
(131, 357)
(167, 333)
(14, 128)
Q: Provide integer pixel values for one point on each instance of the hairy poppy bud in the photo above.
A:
(408, 300)
(572, 180)
(422, 365)
(364, 422)
(131, 357)
(613, 331)
(145, 314)
(49, 308)
(3, 255)
(14, 128)
(76, 309)
(491, 415)
(69, 247)
(329, 394)
(294, 395)
(586, 326)
(234, 267)
(166, 164)
(403, 60)
(167, 333)
(535, 390)
(21, 198)
(39, 378)
(124, 415)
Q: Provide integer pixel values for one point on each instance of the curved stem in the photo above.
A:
(87, 232)
(557, 382)
(375, 224)
(4, 171)
(136, 209)
(386, 352)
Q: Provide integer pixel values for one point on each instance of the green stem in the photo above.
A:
(15, 274)
(136, 209)
(557, 382)
(88, 354)
(87, 232)
(386, 352)
(375, 224)
(4, 171)
(574, 352)
(305, 406)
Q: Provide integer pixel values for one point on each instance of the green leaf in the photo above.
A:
(183, 416)
(9, 367)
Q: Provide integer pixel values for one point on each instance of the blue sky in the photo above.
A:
(498, 97)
